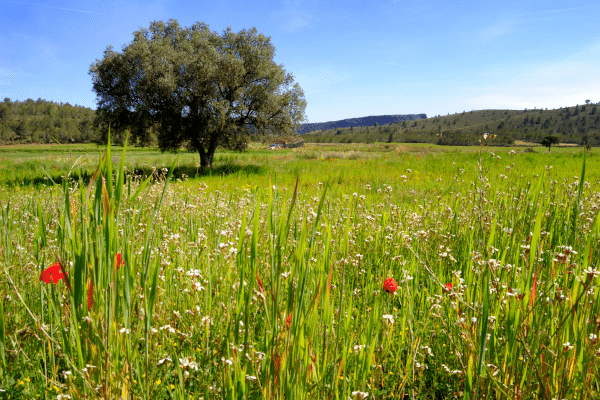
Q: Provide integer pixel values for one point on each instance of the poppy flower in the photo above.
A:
(52, 274)
(390, 285)
(120, 261)
(90, 296)
(448, 286)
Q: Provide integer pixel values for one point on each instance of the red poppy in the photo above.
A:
(390, 285)
(90, 296)
(52, 274)
(448, 286)
(120, 261)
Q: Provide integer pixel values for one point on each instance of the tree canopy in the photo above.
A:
(197, 88)
(548, 141)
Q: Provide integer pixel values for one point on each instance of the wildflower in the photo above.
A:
(390, 285)
(52, 274)
(185, 363)
(568, 346)
(168, 327)
(448, 287)
(359, 395)
(591, 273)
(120, 261)
(356, 349)
(288, 321)
(389, 319)
(164, 360)
(227, 361)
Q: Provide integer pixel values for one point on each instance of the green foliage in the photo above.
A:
(198, 87)
(549, 140)
(579, 124)
(44, 121)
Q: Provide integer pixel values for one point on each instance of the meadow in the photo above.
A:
(379, 271)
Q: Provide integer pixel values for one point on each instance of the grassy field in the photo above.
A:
(379, 271)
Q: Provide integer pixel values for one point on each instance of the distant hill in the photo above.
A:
(42, 121)
(579, 124)
(357, 122)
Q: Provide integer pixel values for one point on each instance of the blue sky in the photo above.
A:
(351, 59)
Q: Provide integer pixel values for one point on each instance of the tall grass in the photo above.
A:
(258, 287)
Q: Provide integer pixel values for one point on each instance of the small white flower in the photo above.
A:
(591, 273)
(185, 363)
(388, 318)
(568, 346)
(593, 336)
(164, 360)
(356, 349)
(167, 327)
(65, 374)
(125, 331)
(359, 395)
(251, 378)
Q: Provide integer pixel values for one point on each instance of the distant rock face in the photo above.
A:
(364, 121)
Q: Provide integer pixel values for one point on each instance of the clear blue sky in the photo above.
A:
(352, 58)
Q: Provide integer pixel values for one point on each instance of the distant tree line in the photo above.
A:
(391, 134)
(42, 121)
(577, 125)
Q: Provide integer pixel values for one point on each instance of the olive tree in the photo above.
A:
(548, 141)
(197, 88)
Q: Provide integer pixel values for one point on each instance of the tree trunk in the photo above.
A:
(206, 158)
(206, 154)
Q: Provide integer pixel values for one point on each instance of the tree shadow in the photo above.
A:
(159, 173)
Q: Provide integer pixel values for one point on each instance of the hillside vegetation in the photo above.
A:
(356, 122)
(43, 121)
(579, 125)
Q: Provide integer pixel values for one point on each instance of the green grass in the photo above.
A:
(263, 279)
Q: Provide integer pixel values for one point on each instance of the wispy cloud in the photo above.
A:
(294, 20)
(46, 6)
(496, 30)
